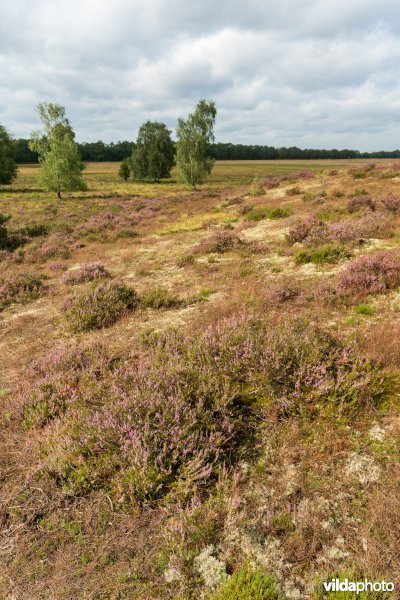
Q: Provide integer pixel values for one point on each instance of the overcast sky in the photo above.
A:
(310, 73)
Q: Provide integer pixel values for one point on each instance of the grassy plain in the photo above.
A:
(301, 283)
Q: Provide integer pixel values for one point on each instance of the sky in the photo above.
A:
(309, 73)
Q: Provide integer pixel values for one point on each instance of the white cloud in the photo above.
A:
(314, 73)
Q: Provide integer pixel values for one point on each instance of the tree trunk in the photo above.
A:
(59, 194)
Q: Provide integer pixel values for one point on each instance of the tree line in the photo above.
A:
(117, 151)
(152, 157)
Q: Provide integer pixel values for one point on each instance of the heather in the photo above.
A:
(86, 272)
(314, 231)
(373, 273)
(219, 242)
(165, 423)
(200, 403)
(20, 288)
(99, 306)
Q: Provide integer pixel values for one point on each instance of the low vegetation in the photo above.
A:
(199, 391)
(99, 306)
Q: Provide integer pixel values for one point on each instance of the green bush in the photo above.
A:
(330, 254)
(260, 213)
(294, 191)
(100, 306)
(159, 298)
(20, 288)
(248, 584)
(256, 189)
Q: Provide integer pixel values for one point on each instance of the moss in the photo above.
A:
(248, 584)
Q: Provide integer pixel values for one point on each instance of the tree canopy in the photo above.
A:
(154, 153)
(8, 167)
(194, 136)
(58, 152)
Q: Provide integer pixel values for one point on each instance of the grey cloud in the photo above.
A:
(311, 73)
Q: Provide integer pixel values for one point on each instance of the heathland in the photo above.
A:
(199, 390)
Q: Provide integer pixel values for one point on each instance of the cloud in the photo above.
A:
(309, 74)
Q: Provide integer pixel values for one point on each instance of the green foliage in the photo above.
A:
(100, 306)
(256, 189)
(159, 298)
(330, 253)
(259, 213)
(248, 584)
(364, 309)
(8, 168)
(124, 170)
(58, 152)
(154, 154)
(194, 135)
(20, 288)
(294, 191)
(3, 231)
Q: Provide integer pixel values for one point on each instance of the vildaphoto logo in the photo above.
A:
(336, 585)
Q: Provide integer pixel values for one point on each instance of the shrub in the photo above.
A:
(86, 272)
(185, 260)
(100, 306)
(330, 253)
(371, 274)
(303, 229)
(35, 230)
(256, 189)
(305, 175)
(314, 231)
(159, 298)
(260, 213)
(53, 381)
(282, 291)
(294, 191)
(391, 203)
(248, 584)
(166, 420)
(55, 246)
(20, 288)
(219, 242)
(357, 203)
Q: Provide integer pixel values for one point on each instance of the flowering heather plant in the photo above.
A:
(86, 272)
(56, 245)
(169, 418)
(391, 204)
(357, 203)
(100, 306)
(303, 229)
(20, 288)
(305, 175)
(313, 231)
(219, 242)
(58, 377)
(282, 291)
(371, 274)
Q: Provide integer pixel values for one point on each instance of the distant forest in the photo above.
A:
(116, 152)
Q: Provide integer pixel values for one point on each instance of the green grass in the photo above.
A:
(364, 309)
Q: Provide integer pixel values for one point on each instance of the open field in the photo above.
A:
(238, 409)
